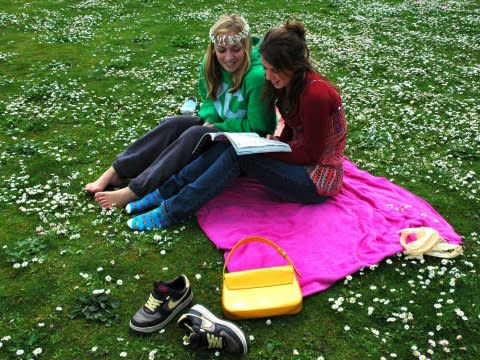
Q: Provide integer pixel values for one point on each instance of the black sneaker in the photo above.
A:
(166, 300)
(205, 330)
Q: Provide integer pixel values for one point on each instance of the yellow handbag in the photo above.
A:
(261, 292)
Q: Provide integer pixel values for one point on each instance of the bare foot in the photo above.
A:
(118, 198)
(109, 177)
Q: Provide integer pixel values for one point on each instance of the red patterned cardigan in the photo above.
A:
(317, 135)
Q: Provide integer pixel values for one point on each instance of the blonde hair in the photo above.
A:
(226, 24)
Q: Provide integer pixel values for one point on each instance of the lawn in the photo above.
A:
(80, 80)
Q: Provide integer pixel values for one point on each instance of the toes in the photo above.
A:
(91, 188)
(102, 200)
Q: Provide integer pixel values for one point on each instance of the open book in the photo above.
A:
(243, 143)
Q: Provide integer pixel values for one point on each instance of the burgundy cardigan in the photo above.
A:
(317, 135)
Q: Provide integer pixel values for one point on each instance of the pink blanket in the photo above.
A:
(326, 242)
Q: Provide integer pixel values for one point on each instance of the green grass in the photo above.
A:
(79, 80)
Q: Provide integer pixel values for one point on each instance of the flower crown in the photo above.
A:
(222, 40)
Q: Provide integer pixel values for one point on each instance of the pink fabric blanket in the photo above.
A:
(327, 242)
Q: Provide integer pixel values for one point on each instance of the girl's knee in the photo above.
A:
(248, 162)
(195, 132)
(230, 155)
(181, 122)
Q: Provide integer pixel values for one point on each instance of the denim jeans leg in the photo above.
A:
(288, 181)
(192, 171)
(212, 181)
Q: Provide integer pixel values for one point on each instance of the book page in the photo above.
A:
(245, 139)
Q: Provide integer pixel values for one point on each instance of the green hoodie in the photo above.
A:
(243, 110)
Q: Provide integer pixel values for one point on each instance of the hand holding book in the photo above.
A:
(272, 137)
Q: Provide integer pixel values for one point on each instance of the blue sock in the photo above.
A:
(149, 201)
(154, 219)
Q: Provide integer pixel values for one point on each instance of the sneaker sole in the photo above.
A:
(205, 312)
(151, 329)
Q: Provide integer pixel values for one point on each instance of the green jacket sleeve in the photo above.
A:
(207, 110)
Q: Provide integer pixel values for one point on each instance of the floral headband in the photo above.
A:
(222, 40)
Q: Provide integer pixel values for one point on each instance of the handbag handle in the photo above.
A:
(262, 240)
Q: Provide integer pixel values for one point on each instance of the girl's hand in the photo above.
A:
(272, 137)
(208, 125)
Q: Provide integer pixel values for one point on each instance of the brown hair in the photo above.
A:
(226, 24)
(285, 49)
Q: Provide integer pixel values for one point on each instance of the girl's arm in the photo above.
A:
(315, 107)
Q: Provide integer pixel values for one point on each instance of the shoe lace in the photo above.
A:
(214, 342)
(152, 303)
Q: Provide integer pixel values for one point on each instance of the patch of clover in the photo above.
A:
(26, 251)
(24, 343)
(97, 303)
(97, 306)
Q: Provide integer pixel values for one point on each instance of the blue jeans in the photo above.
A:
(209, 174)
